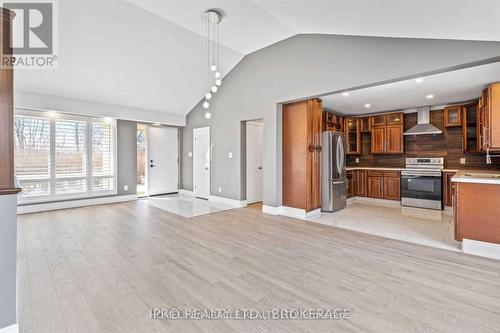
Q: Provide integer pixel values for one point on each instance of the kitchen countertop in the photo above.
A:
(372, 168)
(477, 177)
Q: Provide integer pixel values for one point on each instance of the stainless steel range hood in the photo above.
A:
(423, 124)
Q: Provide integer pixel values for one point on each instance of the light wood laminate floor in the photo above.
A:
(101, 269)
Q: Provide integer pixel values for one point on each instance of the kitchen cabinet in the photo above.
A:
(353, 137)
(489, 118)
(447, 188)
(453, 116)
(387, 134)
(392, 185)
(360, 183)
(470, 128)
(365, 125)
(332, 122)
(375, 184)
(301, 130)
(350, 183)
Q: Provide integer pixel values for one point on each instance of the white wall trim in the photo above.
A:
(290, 212)
(10, 329)
(186, 192)
(231, 202)
(42, 207)
(483, 249)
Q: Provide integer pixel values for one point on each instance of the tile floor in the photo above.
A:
(415, 225)
(186, 206)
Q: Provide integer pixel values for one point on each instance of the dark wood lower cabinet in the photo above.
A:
(375, 184)
(392, 187)
(360, 183)
(350, 183)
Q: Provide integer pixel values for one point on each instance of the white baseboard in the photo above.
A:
(42, 207)
(230, 202)
(10, 329)
(483, 249)
(186, 192)
(271, 210)
(290, 212)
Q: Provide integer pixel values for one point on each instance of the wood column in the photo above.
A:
(6, 107)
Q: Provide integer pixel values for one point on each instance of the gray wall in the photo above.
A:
(302, 66)
(126, 141)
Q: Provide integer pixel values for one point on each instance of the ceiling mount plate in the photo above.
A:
(215, 13)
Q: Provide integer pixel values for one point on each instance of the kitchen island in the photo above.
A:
(476, 210)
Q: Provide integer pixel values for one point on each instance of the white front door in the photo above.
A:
(255, 142)
(163, 159)
(201, 162)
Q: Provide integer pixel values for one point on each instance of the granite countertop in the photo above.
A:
(477, 177)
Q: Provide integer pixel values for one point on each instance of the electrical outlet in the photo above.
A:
(357, 159)
(190, 154)
(230, 154)
(125, 187)
(462, 160)
(220, 189)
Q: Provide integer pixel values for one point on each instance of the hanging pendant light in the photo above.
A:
(213, 18)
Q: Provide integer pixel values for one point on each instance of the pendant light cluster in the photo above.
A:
(213, 18)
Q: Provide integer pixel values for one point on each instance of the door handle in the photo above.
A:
(260, 168)
(152, 166)
(206, 168)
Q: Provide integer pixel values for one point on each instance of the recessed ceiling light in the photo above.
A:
(345, 94)
(419, 80)
(431, 96)
(367, 105)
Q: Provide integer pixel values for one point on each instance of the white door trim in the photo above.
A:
(195, 155)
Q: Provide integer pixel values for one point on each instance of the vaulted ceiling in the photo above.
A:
(149, 54)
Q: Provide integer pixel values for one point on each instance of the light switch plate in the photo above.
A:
(230, 154)
(125, 187)
(462, 160)
(220, 189)
(357, 159)
(190, 154)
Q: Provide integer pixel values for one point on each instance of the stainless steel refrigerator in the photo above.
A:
(333, 174)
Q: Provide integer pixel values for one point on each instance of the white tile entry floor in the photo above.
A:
(186, 206)
(415, 225)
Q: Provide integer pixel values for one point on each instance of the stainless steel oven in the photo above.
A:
(421, 183)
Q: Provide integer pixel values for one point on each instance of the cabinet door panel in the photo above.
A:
(453, 116)
(379, 120)
(392, 188)
(394, 118)
(378, 140)
(375, 187)
(360, 183)
(394, 139)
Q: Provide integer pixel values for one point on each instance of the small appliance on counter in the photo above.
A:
(333, 173)
(421, 183)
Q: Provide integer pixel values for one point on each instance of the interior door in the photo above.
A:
(201, 162)
(163, 160)
(254, 161)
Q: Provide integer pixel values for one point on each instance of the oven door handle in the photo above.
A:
(421, 173)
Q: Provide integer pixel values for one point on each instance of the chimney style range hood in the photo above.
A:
(423, 124)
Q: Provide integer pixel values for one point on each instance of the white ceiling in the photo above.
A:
(456, 86)
(252, 24)
(149, 54)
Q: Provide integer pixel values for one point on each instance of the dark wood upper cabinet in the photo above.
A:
(491, 117)
(378, 140)
(379, 120)
(366, 125)
(353, 137)
(387, 136)
(453, 116)
(302, 122)
(470, 128)
(394, 139)
(332, 122)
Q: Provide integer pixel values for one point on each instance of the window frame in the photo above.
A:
(52, 117)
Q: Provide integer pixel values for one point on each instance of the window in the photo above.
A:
(63, 157)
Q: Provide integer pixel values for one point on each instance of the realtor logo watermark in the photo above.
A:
(34, 35)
